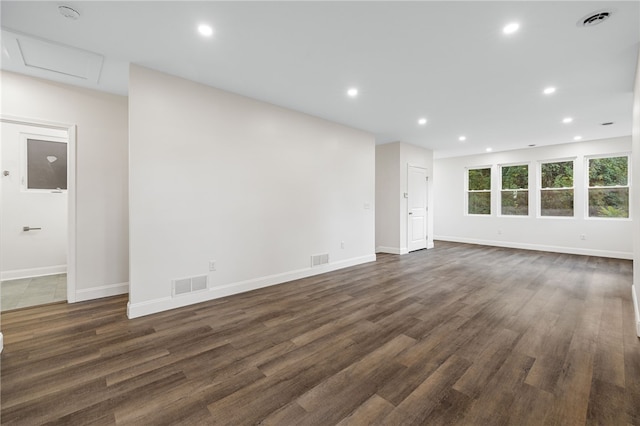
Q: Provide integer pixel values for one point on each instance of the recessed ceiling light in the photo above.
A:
(511, 28)
(462, 138)
(488, 149)
(69, 12)
(577, 138)
(549, 90)
(567, 120)
(422, 121)
(353, 92)
(205, 30)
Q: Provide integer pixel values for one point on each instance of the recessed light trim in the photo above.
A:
(549, 90)
(511, 28)
(205, 30)
(462, 138)
(489, 149)
(422, 121)
(577, 138)
(352, 92)
(567, 120)
(69, 12)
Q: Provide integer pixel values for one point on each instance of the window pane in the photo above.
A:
(556, 203)
(515, 177)
(557, 175)
(480, 203)
(612, 202)
(479, 179)
(515, 203)
(46, 164)
(612, 171)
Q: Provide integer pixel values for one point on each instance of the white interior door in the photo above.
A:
(34, 201)
(417, 208)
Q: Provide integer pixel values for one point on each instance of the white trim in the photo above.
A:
(135, 310)
(71, 192)
(17, 274)
(1, 342)
(636, 307)
(540, 247)
(101, 291)
(390, 250)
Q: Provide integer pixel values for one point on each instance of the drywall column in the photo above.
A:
(635, 185)
(388, 198)
(392, 162)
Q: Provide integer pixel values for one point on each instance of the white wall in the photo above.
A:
(635, 196)
(392, 161)
(101, 173)
(33, 253)
(604, 237)
(255, 187)
(388, 198)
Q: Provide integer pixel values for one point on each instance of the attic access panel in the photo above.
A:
(46, 164)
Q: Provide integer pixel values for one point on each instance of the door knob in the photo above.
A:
(28, 228)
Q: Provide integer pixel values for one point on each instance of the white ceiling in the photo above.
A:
(447, 61)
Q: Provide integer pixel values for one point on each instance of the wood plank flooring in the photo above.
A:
(460, 334)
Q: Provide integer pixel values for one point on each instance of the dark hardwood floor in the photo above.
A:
(459, 334)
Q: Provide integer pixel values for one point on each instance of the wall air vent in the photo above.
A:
(319, 259)
(189, 285)
(594, 18)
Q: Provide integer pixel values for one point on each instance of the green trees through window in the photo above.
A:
(514, 197)
(479, 191)
(609, 187)
(556, 188)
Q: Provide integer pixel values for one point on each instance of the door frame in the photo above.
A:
(71, 191)
(426, 198)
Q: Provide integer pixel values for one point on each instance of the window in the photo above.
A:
(46, 164)
(514, 197)
(556, 188)
(479, 191)
(609, 187)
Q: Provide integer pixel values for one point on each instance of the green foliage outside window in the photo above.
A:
(608, 187)
(515, 195)
(479, 195)
(556, 195)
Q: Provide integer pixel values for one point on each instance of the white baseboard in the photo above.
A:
(391, 250)
(1, 342)
(539, 247)
(17, 274)
(102, 291)
(135, 310)
(636, 307)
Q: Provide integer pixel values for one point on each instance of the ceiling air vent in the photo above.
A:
(594, 18)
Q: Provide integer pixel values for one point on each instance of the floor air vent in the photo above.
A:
(319, 259)
(189, 285)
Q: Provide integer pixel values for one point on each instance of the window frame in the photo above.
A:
(528, 190)
(587, 187)
(540, 189)
(468, 191)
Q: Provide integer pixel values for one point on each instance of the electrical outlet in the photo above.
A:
(212, 265)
